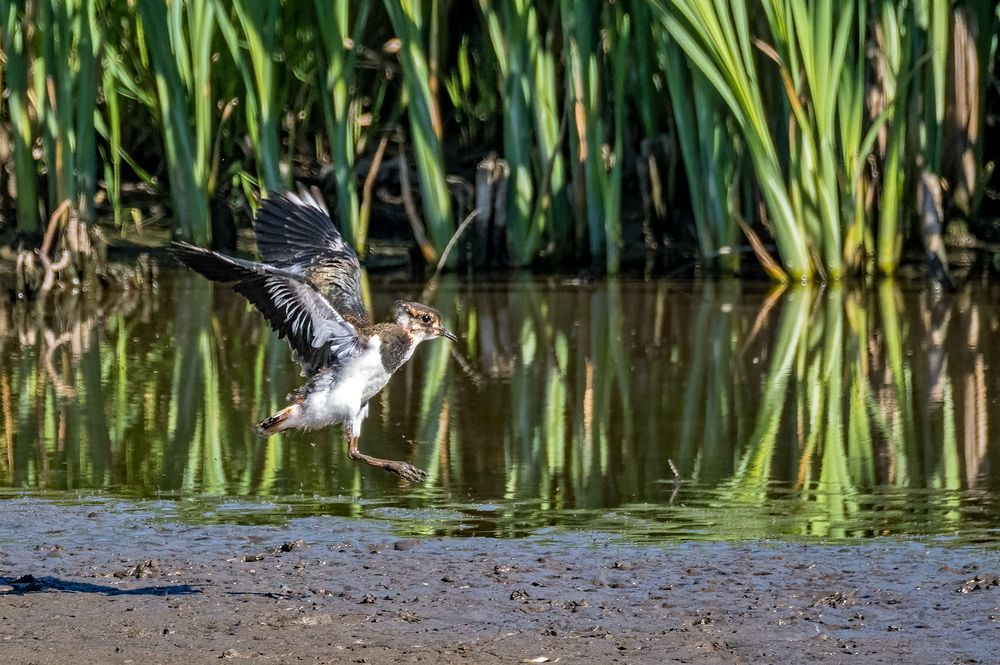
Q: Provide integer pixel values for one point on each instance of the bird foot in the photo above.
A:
(401, 469)
(406, 471)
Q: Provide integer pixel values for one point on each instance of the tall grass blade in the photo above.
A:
(258, 25)
(17, 47)
(425, 119)
(340, 42)
(186, 155)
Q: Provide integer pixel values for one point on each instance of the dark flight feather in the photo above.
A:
(296, 310)
(296, 232)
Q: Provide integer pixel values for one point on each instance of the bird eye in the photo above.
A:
(426, 318)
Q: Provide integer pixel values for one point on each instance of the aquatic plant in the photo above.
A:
(831, 129)
(16, 47)
(179, 40)
(423, 109)
(341, 36)
(256, 26)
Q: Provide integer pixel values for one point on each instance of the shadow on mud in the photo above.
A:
(10, 586)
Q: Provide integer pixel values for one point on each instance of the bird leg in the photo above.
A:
(401, 469)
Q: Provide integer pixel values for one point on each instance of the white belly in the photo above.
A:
(343, 399)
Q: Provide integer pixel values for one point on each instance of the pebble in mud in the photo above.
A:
(289, 545)
(144, 570)
(980, 582)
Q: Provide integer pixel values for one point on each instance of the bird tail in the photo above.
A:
(279, 422)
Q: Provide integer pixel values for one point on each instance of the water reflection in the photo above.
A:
(660, 409)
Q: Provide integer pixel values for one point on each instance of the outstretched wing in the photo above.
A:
(296, 232)
(315, 330)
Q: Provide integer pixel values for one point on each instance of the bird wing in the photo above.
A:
(296, 310)
(296, 232)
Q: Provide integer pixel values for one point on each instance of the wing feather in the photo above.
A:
(295, 231)
(296, 310)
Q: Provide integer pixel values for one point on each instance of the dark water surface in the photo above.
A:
(809, 413)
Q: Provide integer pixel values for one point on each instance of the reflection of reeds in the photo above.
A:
(7, 410)
(754, 471)
(567, 398)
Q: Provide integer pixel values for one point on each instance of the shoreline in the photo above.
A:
(116, 586)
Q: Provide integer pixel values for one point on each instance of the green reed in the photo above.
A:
(68, 96)
(586, 130)
(112, 158)
(17, 49)
(256, 26)
(512, 47)
(551, 214)
(340, 38)
(179, 39)
(856, 124)
(51, 72)
(716, 39)
(423, 109)
(895, 60)
(815, 54)
(707, 150)
(537, 206)
(129, 92)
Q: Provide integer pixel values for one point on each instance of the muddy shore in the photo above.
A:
(111, 583)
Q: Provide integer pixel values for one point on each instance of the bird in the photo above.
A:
(307, 285)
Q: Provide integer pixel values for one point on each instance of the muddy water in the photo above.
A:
(656, 411)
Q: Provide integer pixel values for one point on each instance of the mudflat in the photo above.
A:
(108, 582)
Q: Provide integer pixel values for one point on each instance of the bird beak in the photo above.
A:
(444, 332)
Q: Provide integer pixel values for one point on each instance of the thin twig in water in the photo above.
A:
(476, 377)
(454, 238)
(678, 480)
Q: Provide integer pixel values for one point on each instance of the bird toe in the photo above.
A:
(408, 472)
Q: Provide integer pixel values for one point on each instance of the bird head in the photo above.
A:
(421, 321)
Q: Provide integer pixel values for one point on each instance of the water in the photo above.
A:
(652, 410)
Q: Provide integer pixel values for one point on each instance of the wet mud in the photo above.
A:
(111, 582)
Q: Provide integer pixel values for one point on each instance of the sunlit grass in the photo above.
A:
(180, 55)
(833, 130)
